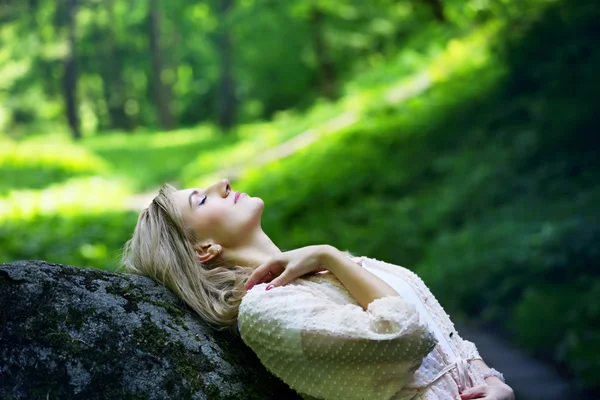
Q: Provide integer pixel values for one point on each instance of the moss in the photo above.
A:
(129, 292)
(56, 339)
(76, 317)
(174, 311)
(226, 344)
(48, 331)
(186, 367)
(89, 276)
(72, 350)
(213, 392)
(134, 295)
(118, 350)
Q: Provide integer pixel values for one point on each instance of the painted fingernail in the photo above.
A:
(269, 287)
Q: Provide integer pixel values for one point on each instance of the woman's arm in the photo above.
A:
(493, 389)
(362, 285)
(284, 268)
(492, 380)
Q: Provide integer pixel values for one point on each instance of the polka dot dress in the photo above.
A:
(314, 336)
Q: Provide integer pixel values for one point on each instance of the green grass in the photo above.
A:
(85, 239)
(147, 160)
(33, 164)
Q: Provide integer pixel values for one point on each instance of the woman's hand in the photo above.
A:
(287, 266)
(496, 391)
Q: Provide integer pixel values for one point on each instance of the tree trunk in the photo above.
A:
(114, 89)
(324, 63)
(438, 9)
(162, 94)
(33, 6)
(227, 104)
(70, 72)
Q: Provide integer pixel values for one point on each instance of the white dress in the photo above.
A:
(314, 336)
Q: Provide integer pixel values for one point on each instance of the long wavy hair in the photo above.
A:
(163, 249)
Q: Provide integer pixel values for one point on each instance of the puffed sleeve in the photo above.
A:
(329, 350)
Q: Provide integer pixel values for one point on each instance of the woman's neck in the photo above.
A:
(257, 250)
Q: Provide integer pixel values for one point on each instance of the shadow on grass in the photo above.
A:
(32, 177)
(152, 159)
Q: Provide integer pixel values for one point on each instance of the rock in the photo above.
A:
(75, 333)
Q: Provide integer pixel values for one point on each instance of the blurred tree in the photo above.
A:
(324, 62)
(180, 63)
(438, 9)
(226, 97)
(113, 85)
(162, 91)
(33, 7)
(70, 70)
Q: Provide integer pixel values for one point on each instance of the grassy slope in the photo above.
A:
(486, 185)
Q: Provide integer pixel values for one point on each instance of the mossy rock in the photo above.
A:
(76, 333)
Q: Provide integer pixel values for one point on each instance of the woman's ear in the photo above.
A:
(208, 252)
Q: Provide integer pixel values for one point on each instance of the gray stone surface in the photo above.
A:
(75, 333)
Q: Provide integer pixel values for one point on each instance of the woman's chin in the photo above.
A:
(258, 200)
(260, 206)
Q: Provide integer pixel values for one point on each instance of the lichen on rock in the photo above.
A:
(78, 333)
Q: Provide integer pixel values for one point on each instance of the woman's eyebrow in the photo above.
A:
(190, 198)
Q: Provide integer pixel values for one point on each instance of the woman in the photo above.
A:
(329, 325)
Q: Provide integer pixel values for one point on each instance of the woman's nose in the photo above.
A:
(223, 187)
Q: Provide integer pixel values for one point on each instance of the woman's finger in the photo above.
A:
(268, 278)
(257, 276)
(476, 392)
(262, 272)
(282, 279)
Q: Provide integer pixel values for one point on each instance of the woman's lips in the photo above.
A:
(238, 196)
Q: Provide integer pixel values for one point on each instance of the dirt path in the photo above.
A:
(529, 378)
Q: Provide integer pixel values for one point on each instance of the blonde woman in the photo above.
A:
(330, 325)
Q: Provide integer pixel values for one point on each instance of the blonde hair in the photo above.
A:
(163, 249)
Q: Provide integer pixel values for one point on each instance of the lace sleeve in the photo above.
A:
(327, 350)
(468, 349)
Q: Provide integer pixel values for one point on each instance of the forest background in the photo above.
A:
(453, 137)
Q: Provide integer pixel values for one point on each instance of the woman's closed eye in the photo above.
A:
(202, 201)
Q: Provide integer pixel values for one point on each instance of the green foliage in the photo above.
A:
(56, 206)
(485, 184)
(463, 150)
(279, 52)
(79, 222)
(381, 156)
(91, 240)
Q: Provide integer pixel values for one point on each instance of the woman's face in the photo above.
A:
(214, 213)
